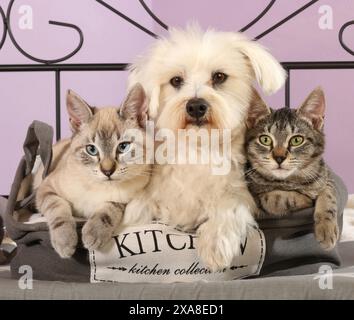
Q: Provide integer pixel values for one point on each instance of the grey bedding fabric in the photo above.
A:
(3, 203)
(277, 287)
(282, 287)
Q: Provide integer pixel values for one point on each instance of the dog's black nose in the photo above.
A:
(197, 107)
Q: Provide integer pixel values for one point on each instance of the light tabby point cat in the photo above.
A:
(285, 169)
(89, 177)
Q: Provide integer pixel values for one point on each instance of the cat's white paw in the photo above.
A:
(95, 235)
(64, 239)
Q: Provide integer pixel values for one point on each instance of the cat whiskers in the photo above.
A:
(311, 177)
(135, 174)
(122, 170)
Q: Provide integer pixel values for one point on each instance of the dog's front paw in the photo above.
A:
(216, 254)
(97, 232)
(217, 249)
(64, 238)
(327, 233)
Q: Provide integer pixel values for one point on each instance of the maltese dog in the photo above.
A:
(197, 81)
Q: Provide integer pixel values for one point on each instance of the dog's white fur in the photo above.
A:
(189, 195)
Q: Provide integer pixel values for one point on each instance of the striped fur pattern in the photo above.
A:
(89, 177)
(285, 169)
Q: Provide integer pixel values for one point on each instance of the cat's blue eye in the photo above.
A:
(124, 147)
(91, 150)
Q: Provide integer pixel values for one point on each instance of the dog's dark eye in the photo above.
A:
(176, 82)
(218, 78)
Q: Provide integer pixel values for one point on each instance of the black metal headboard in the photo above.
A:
(57, 68)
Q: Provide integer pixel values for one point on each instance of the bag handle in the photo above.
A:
(38, 141)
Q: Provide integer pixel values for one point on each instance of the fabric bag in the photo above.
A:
(155, 252)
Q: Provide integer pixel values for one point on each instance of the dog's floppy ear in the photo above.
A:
(268, 71)
(257, 110)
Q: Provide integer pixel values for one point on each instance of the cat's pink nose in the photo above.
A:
(108, 167)
(108, 173)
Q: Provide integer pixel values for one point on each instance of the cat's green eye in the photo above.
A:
(296, 141)
(265, 140)
(123, 147)
(91, 150)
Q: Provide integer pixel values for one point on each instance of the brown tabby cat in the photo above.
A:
(89, 176)
(285, 169)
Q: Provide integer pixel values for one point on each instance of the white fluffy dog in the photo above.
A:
(197, 80)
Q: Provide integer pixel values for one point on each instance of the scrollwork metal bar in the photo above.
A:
(58, 23)
(296, 65)
(340, 37)
(4, 23)
(57, 106)
(287, 89)
(259, 17)
(153, 15)
(131, 21)
(312, 65)
(57, 69)
(51, 66)
(64, 67)
(289, 17)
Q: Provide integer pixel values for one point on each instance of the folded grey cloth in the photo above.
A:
(3, 203)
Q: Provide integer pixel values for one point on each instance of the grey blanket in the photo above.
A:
(281, 287)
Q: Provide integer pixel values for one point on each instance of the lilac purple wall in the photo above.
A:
(27, 96)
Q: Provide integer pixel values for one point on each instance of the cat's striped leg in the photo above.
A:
(326, 225)
(62, 226)
(100, 227)
(279, 202)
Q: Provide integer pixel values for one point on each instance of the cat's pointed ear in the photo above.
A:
(79, 111)
(257, 110)
(135, 105)
(313, 109)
